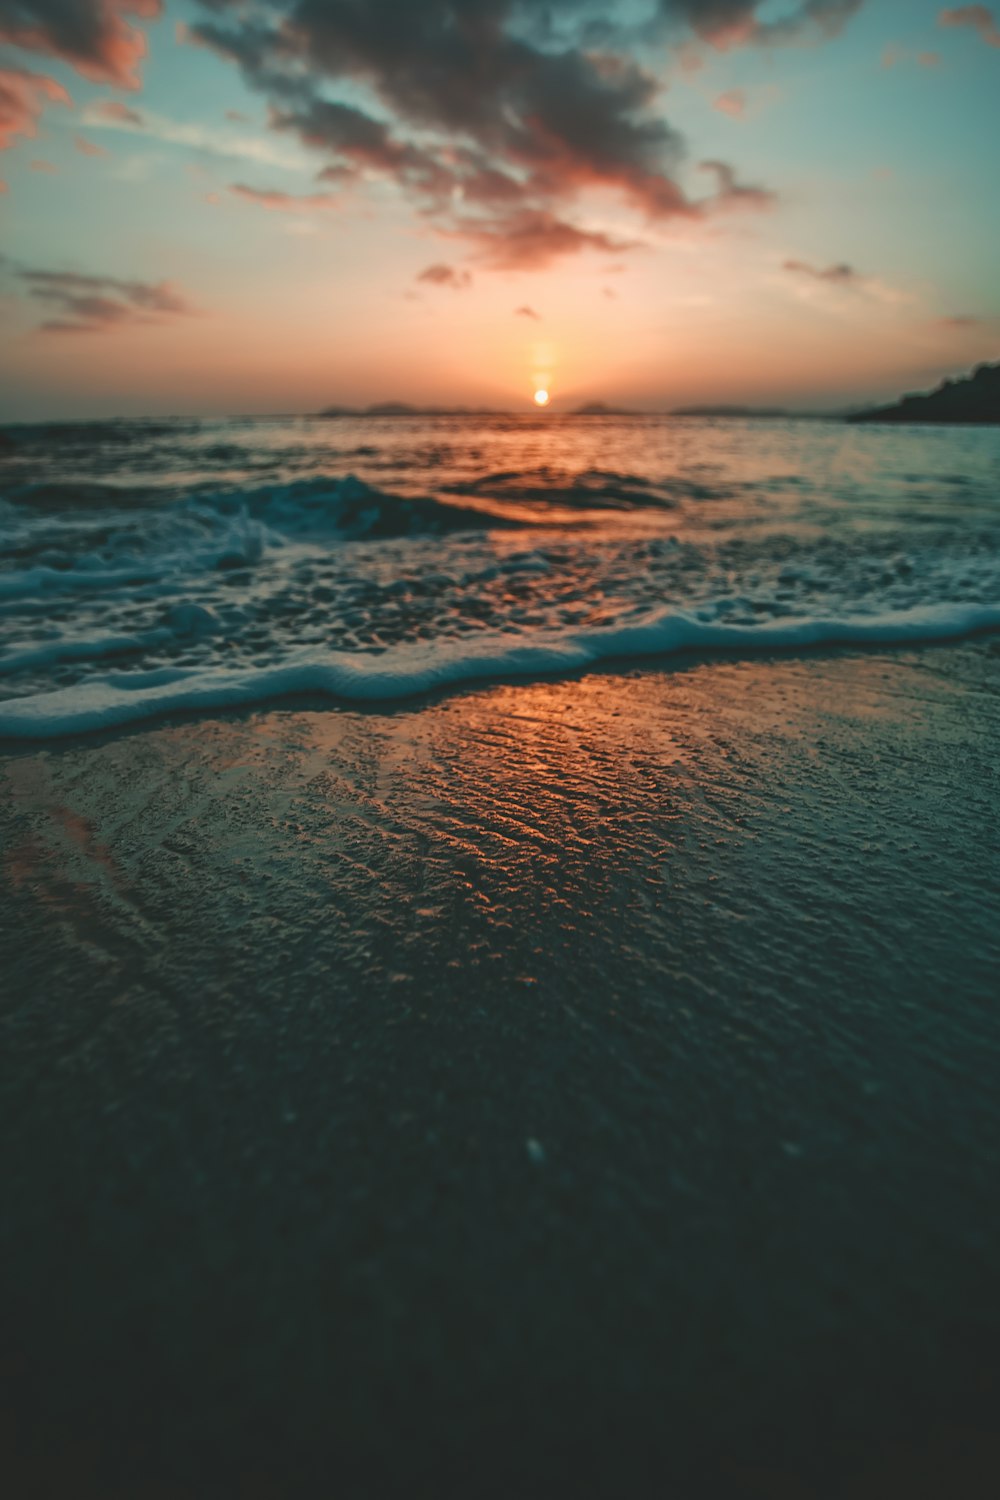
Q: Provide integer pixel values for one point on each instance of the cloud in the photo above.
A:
(89, 148)
(442, 275)
(978, 17)
(726, 24)
(38, 165)
(493, 117)
(91, 35)
(733, 103)
(892, 56)
(527, 312)
(112, 114)
(835, 275)
(94, 304)
(532, 241)
(846, 278)
(731, 193)
(274, 198)
(23, 97)
(362, 144)
(962, 320)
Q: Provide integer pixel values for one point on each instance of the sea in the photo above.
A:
(193, 565)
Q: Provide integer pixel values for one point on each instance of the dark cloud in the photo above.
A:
(836, 275)
(978, 17)
(730, 193)
(93, 36)
(532, 241)
(361, 143)
(733, 23)
(442, 275)
(23, 97)
(493, 116)
(93, 304)
(527, 312)
(814, 21)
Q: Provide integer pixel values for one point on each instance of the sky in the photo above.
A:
(217, 207)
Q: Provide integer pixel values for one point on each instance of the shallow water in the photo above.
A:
(577, 1088)
(152, 566)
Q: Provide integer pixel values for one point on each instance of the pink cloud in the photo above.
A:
(88, 148)
(23, 97)
(976, 16)
(733, 103)
(91, 35)
(43, 166)
(81, 303)
(279, 201)
(116, 113)
(442, 275)
(836, 275)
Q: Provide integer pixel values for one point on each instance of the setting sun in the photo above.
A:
(541, 397)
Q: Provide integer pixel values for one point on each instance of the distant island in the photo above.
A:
(974, 400)
(402, 409)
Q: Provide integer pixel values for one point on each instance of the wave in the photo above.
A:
(605, 489)
(322, 503)
(219, 530)
(122, 698)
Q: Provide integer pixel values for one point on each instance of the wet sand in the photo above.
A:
(578, 1088)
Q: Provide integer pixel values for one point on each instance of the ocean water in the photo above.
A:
(152, 567)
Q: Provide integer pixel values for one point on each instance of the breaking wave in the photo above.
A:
(116, 699)
(172, 566)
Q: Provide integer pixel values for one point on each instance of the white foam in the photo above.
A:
(118, 699)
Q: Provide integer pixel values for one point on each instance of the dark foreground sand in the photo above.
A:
(585, 1088)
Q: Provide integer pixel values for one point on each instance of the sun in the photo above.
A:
(541, 397)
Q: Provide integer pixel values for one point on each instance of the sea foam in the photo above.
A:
(116, 699)
(160, 568)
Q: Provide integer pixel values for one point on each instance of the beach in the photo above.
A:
(584, 1085)
(499, 792)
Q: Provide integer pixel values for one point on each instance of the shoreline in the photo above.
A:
(579, 1085)
(403, 675)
